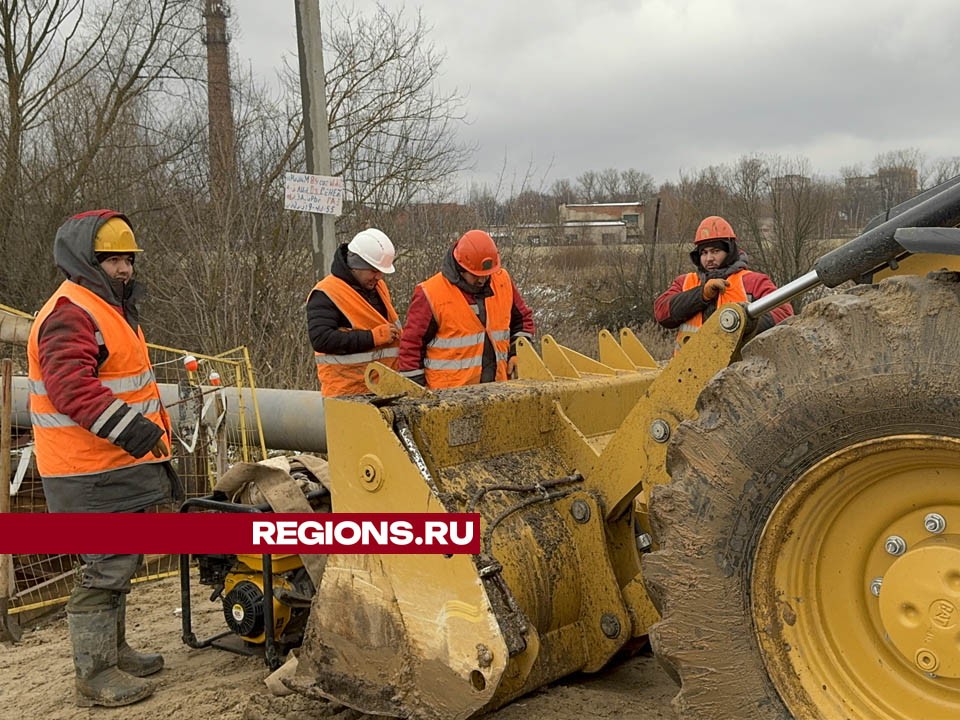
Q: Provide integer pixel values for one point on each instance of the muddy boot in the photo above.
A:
(128, 659)
(92, 615)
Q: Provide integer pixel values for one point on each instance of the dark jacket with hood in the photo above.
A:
(70, 358)
(676, 305)
(421, 326)
(326, 325)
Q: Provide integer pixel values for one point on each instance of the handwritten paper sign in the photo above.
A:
(313, 193)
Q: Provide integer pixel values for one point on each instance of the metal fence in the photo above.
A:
(213, 409)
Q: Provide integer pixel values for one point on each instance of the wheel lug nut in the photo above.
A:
(935, 523)
(875, 586)
(895, 545)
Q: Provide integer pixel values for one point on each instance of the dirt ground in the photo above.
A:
(36, 676)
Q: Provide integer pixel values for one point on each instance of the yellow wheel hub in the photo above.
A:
(919, 601)
(856, 583)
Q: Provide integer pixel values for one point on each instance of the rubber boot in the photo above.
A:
(129, 660)
(99, 681)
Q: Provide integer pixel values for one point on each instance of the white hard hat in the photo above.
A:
(375, 248)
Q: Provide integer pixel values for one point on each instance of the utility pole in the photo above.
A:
(316, 132)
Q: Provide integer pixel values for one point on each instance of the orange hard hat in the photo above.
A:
(477, 253)
(713, 228)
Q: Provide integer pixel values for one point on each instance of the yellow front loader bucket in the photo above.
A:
(553, 463)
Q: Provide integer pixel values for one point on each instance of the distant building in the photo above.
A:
(870, 195)
(601, 223)
(594, 224)
(526, 234)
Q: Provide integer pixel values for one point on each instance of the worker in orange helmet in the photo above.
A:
(721, 277)
(463, 323)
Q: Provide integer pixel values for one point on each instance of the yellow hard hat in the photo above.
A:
(115, 236)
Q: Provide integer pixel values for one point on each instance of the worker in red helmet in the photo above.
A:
(102, 437)
(721, 277)
(464, 321)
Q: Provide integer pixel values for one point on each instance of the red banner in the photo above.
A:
(239, 533)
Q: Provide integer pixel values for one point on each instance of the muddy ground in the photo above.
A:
(36, 676)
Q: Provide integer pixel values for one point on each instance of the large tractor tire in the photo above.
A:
(809, 560)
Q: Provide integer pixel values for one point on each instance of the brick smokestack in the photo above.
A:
(223, 166)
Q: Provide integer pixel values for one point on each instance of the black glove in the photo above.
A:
(138, 437)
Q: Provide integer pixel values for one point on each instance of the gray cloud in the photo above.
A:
(664, 85)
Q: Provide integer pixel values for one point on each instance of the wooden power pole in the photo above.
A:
(315, 128)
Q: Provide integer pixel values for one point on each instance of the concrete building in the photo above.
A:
(601, 223)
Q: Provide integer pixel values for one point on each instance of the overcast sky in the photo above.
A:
(670, 85)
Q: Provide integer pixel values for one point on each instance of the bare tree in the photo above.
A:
(36, 38)
(610, 188)
(563, 192)
(802, 211)
(90, 103)
(780, 211)
(749, 185)
(588, 186)
(393, 132)
(637, 185)
(943, 169)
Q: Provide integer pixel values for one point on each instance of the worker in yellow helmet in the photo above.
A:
(102, 436)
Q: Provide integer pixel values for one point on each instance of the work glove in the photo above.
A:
(140, 437)
(713, 287)
(385, 334)
(160, 449)
(512, 367)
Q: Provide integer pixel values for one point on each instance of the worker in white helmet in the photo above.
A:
(351, 320)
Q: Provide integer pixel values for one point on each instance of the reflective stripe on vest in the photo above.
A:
(733, 294)
(65, 448)
(354, 358)
(344, 374)
(455, 356)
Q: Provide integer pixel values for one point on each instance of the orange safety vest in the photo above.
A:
(736, 293)
(343, 374)
(65, 448)
(455, 356)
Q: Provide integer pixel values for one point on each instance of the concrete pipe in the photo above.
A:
(291, 419)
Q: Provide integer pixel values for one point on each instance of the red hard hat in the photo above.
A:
(477, 253)
(713, 228)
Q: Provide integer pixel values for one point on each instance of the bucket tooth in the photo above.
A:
(556, 359)
(612, 354)
(635, 350)
(530, 365)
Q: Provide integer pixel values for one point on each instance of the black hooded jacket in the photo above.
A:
(325, 322)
